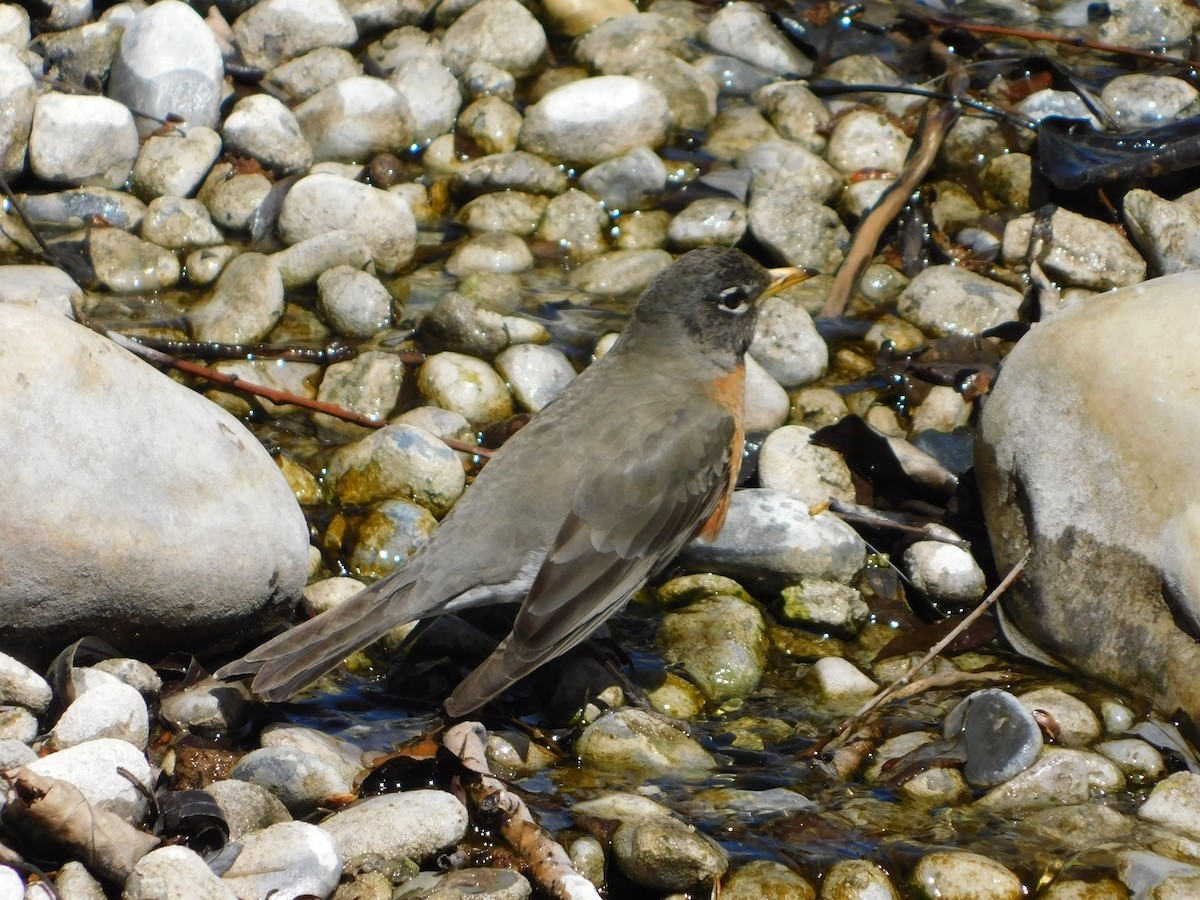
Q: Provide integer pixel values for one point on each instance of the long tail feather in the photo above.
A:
(294, 659)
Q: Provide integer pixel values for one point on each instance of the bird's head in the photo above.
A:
(711, 297)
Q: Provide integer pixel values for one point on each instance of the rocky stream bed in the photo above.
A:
(434, 215)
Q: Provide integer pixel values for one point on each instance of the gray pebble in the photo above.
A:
(1079, 251)
(275, 31)
(535, 374)
(432, 94)
(354, 303)
(179, 224)
(721, 642)
(245, 304)
(620, 272)
(168, 64)
(235, 201)
(96, 768)
(261, 127)
(945, 300)
(412, 824)
(824, 606)
(209, 708)
(631, 181)
(398, 461)
(246, 807)
(291, 859)
(466, 385)
(491, 252)
(769, 534)
(576, 223)
(82, 207)
(665, 854)
(174, 871)
(22, 686)
(632, 741)
(369, 385)
(305, 261)
(946, 573)
(77, 139)
(500, 32)
(175, 163)
(743, 31)
(104, 707)
(999, 734)
(306, 75)
(777, 165)
(957, 873)
(516, 171)
(320, 203)
(594, 119)
(353, 119)
(800, 232)
(301, 780)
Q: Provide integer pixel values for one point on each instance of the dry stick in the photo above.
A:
(1010, 31)
(889, 205)
(275, 396)
(892, 689)
(549, 865)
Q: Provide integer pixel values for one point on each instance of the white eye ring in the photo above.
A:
(738, 293)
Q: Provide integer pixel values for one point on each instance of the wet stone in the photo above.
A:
(958, 874)
(234, 201)
(1175, 803)
(175, 872)
(1054, 779)
(744, 32)
(481, 883)
(867, 139)
(207, 708)
(595, 119)
(389, 535)
(1167, 232)
(493, 252)
(800, 232)
(517, 171)
(246, 807)
(824, 606)
(631, 181)
(465, 385)
(179, 224)
(791, 464)
(291, 859)
(245, 304)
(857, 879)
(535, 374)
(795, 111)
(261, 127)
(353, 302)
(513, 211)
(663, 853)
(999, 734)
(576, 223)
(621, 272)
(944, 300)
(1080, 251)
(304, 262)
(432, 94)
(397, 461)
(84, 206)
(836, 679)
(771, 535)
(946, 573)
(630, 740)
(492, 123)
(1074, 721)
(412, 824)
(301, 780)
(721, 644)
(711, 221)
(500, 32)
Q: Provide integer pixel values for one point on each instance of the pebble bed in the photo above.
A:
(485, 189)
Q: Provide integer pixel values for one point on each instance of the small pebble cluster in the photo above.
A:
(496, 182)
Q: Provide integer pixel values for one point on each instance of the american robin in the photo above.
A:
(580, 507)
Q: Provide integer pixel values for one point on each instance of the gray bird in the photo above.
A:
(580, 507)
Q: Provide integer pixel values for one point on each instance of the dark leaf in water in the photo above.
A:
(894, 467)
(194, 817)
(1073, 155)
(921, 637)
(86, 651)
(934, 755)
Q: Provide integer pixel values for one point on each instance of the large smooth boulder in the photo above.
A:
(133, 508)
(1089, 452)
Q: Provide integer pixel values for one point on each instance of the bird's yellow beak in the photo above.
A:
(785, 277)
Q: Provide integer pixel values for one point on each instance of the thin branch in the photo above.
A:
(272, 394)
(547, 861)
(889, 205)
(894, 688)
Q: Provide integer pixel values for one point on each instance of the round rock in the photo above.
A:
(465, 385)
(226, 500)
(320, 203)
(78, 140)
(595, 119)
(412, 824)
(535, 373)
(168, 64)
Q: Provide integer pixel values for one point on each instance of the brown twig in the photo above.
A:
(548, 863)
(1029, 35)
(889, 205)
(272, 394)
(894, 688)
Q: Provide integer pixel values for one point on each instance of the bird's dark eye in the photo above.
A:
(735, 299)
